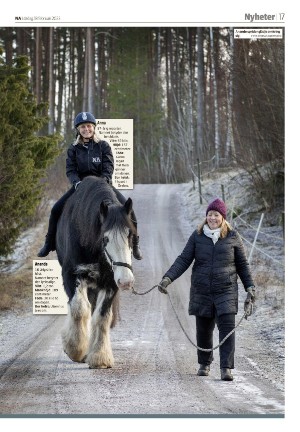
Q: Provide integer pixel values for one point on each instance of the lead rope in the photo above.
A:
(182, 328)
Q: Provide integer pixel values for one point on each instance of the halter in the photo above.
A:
(116, 263)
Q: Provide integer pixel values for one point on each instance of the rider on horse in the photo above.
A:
(88, 155)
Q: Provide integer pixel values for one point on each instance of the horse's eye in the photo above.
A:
(105, 241)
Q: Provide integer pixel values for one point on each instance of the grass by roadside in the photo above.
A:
(15, 289)
(16, 286)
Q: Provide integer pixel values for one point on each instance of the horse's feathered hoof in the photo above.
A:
(96, 361)
(75, 358)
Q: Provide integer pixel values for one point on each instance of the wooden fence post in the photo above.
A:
(255, 238)
(223, 193)
(199, 181)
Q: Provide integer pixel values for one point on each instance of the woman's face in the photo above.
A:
(214, 219)
(86, 130)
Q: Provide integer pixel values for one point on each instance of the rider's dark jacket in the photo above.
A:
(214, 274)
(92, 158)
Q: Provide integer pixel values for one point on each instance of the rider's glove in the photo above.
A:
(162, 286)
(107, 179)
(249, 302)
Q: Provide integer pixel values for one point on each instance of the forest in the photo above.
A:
(196, 94)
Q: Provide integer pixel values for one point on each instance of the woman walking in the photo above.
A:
(219, 258)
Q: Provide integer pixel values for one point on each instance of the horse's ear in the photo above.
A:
(128, 205)
(103, 209)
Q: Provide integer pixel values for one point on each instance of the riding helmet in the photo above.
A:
(84, 117)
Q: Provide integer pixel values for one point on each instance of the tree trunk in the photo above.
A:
(200, 94)
(89, 73)
(51, 96)
(215, 100)
(38, 63)
(230, 146)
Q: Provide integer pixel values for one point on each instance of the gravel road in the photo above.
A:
(155, 364)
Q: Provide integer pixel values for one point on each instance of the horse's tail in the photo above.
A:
(115, 310)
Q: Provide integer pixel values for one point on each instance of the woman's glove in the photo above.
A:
(162, 286)
(249, 302)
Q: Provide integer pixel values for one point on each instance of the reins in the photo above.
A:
(182, 328)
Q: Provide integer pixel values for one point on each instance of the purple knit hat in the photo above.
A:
(219, 206)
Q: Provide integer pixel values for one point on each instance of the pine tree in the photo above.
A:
(24, 155)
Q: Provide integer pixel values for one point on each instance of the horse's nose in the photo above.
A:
(125, 285)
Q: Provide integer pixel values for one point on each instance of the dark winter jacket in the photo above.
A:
(214, 274)
(95, 158)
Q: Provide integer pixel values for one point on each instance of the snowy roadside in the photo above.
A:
(16, 260)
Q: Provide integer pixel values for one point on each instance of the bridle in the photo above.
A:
(116, 263)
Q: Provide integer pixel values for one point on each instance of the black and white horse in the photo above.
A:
(93, 244)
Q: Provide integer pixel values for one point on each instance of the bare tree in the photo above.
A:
(185, 87)
(229, 145)
(51, 94)
(38, 63)
(200, 94)
(89, 72)
(215, 99)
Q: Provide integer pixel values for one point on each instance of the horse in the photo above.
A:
(94, 249)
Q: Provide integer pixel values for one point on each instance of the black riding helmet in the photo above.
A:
(84, 117)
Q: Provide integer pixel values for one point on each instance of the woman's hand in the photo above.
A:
(249, 302)
(162, 286)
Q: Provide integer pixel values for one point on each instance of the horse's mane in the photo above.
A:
(87, 199)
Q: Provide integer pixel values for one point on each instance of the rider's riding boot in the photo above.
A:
(50, 238)
(47, 248)
(136, 247)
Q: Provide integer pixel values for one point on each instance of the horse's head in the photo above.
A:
(117, 232)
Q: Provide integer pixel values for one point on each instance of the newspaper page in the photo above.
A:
(145, 69)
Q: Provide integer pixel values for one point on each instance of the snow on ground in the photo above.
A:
(14, 261)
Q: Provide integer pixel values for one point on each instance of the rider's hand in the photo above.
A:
(162, 286)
